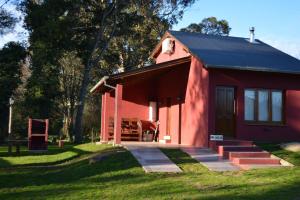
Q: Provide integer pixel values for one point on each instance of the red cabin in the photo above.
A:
(204, 85)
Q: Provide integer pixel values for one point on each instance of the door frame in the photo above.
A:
(234, 106)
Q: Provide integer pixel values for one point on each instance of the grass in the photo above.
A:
(119, 176)
(54, 155)
(292, 157)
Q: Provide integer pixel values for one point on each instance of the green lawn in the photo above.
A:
(54, 155)
(292, 157)
(119, 176)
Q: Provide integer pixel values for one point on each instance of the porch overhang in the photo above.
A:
(108, 82)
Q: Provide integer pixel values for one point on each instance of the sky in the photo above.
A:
(19, 34)
(276, 22)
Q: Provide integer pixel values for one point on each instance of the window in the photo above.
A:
(276, 106)
(263, 106)
(249, 105)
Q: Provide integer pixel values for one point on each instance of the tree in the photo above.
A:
(7, 20)
(104, 35)
(49, 39)
(210, 26)
(11, 56)
(71, 68)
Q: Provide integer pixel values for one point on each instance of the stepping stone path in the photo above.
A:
(152, 159)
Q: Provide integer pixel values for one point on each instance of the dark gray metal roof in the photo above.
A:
(237, 53)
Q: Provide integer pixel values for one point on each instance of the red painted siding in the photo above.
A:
(171, 85)
(179, 52)
(195, 108)
(245, 79)
(136, 100)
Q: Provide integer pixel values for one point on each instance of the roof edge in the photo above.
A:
(102, 80)
(151, 67)
(146, 69)
(251, 68)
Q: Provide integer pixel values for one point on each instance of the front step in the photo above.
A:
(263, 154)
(214, 144)
(225, 150)
(245, 154)
(256, 161)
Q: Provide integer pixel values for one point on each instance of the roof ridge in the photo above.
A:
(209, 35)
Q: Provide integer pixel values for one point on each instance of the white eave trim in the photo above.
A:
(102, 80)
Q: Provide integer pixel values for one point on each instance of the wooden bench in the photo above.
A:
(130, 129)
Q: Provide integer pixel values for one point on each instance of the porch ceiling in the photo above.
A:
(136, 75)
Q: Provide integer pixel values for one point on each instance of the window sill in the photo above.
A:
(264, 124)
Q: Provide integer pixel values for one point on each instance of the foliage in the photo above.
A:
(47, 42)
(70, 78)
(105, 36)
(7, 21)
(19, 119)
(11, 59)
(210, 26)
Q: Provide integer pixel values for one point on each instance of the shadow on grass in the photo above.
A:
(59, 156)
(184, 161)
(52, 149)
(67, 174)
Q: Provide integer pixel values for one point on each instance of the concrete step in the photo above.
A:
(262, 154)
(225, 150)
(256, 161)
(214, 144)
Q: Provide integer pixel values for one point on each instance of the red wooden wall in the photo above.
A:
(247, 79)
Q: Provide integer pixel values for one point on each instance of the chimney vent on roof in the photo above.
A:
(252, 38)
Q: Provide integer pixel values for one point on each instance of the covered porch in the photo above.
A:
(139, 103)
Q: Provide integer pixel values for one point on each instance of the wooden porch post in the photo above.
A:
(118, 117)
(104, 118)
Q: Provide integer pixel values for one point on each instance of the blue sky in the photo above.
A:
(277, 22)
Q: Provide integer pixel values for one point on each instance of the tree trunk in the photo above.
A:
(83, 90)
(90, 63)
(71, 125)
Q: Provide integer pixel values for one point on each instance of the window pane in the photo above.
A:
(276, 106)
(249, 104)
(263, 111)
